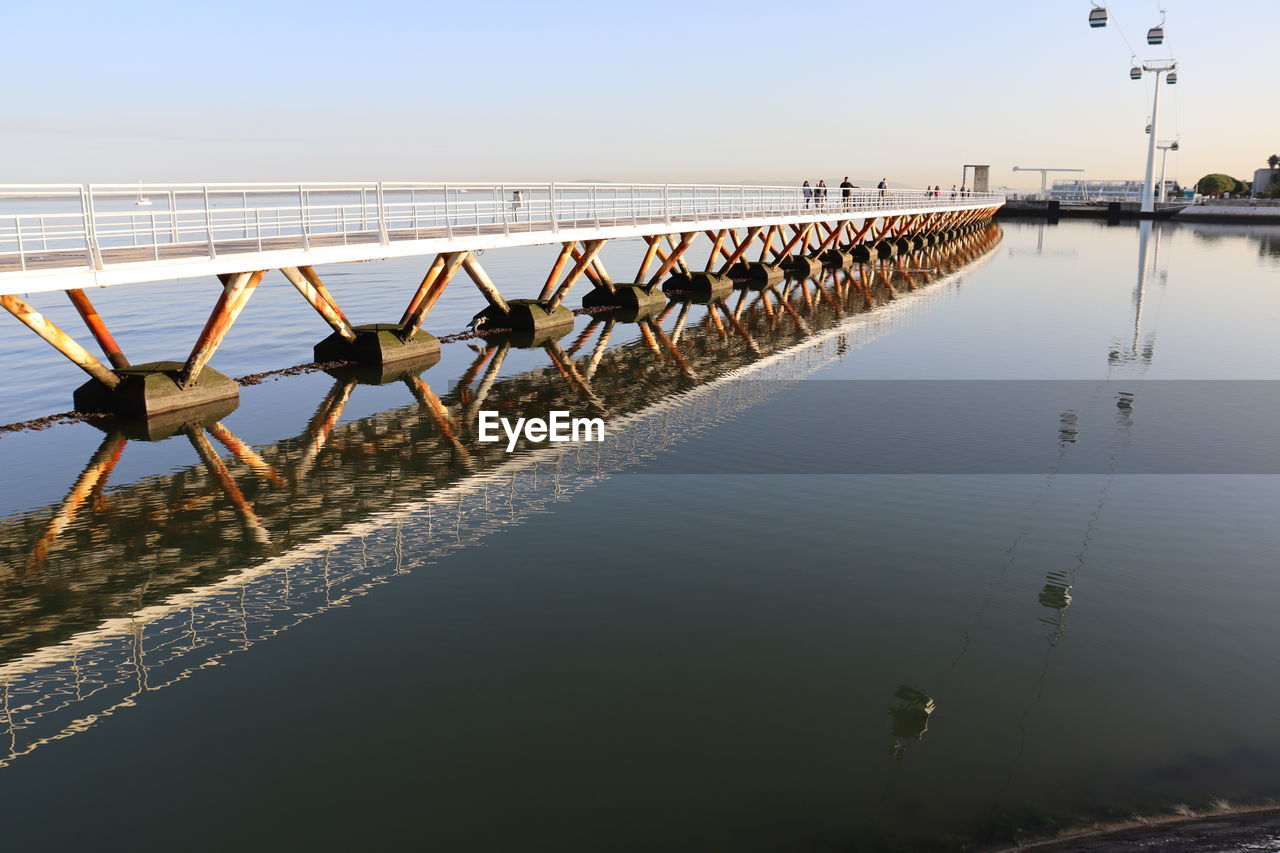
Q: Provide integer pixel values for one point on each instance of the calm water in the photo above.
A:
(786, 605)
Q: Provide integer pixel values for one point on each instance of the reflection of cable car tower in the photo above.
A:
(1139, 350)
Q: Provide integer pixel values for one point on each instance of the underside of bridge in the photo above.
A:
(190, 390)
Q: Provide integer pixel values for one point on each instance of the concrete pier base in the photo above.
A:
(378, 343)
(799, 266)
(700, 283)
(836, 259)
(151, 390)
(528, 315)
(863, 252)
(757, 272)
(884, 248)
(626, 297)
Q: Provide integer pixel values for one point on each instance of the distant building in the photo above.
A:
(1262, 181)
(1075, 189)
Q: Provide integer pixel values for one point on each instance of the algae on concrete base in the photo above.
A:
(800, 266)
(757, 272)
(377, 343)
(526, 315)
(633, 297)
(700, 283)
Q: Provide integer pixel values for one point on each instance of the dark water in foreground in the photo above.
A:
(786, 605)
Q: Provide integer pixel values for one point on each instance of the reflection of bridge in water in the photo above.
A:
(113, 594)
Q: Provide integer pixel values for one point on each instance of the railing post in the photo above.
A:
(666, 203)
(384, 236)
(502, 205)
(302, 216)
(595, 206)
(90, 228)
(175, 232)
(551, 200)
(448, 219)
(208, 223)
(17, 230)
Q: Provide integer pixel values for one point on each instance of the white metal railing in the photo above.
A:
(97, 225)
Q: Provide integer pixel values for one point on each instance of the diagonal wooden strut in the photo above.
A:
(58, 339)
(98, 328)
(481, 280)
(802, 233)
(741, 248)
(320, 300)
(235, 295)
(566, 252)
(428, 281)
(596, 272)
(319, 286)
(677, 252)
(431, 289)
(768, 242)
(591, 249)
(650, 253)
(717, 246)
(679, 256)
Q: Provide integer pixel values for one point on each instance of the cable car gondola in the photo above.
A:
(1098, 16)
(1155, 35)
(1135, 73)
(1171, 77)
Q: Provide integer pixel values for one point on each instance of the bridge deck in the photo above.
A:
(59, 238)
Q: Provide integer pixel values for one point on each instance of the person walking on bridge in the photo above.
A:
(846, 190)
(953, 192)
(882, 186)
(821, 193)
(808, 194)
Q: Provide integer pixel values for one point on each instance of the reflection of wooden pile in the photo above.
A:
(166, 534)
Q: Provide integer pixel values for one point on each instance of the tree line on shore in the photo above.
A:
(1218, 185)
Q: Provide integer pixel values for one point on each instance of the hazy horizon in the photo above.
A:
(716, 93)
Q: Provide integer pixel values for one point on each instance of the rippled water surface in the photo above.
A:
(961, 549)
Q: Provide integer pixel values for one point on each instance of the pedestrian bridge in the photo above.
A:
(116, 593)
(60, 237)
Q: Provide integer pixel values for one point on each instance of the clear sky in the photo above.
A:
(656, 91)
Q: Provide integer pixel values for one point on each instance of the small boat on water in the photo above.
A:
(142, 200)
